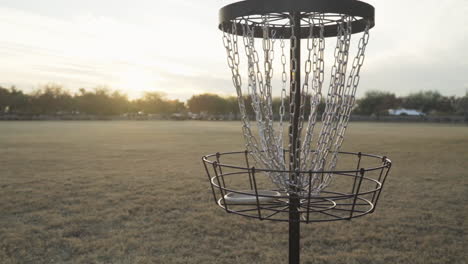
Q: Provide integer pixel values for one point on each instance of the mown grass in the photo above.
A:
(136, 192)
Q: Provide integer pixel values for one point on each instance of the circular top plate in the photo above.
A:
(278, 13)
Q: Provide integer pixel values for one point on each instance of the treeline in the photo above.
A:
(54, 100)
(429, 102)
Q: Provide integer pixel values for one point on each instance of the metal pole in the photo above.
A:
(294, 216)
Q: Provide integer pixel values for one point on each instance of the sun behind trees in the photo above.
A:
(54, 100)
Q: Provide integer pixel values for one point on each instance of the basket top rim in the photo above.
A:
(386, 163)
(243, 9)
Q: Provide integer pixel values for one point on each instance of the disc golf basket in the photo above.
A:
(288, 172)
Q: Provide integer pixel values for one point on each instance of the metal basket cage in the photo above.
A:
(247, 191)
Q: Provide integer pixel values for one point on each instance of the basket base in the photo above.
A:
(250, 198)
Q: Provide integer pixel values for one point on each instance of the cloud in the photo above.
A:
(90, 50)
(418, 46)
(129, 47)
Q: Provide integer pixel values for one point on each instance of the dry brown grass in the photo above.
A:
(135, 192)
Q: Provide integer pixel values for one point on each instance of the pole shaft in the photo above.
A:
(294, 216)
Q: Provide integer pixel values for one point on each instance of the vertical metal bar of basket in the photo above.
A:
(284, 156)
(294, 199)
(357, 171)
(356, 194)
(220, 169)
(248, 166)
(221, 187)
(256, 194)
(309, 196)
(379, 181)
(209, 180)
(388, 166)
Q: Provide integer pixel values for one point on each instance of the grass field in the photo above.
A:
(136, 192)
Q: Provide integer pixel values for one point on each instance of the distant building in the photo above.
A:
(402, 111)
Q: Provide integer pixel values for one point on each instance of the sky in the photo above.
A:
(175, 47)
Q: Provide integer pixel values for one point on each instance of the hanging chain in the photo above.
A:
(294, 148)
(268, 43)
(231, 46)
(317, 83)
(268, 147)
(332, 101)
(261, 97)
(316, 47)
(351, 87)
(337, 118)
(331, 117)
(282, 110)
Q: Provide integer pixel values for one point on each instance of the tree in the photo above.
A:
(232, 106)
(207, 103)
(101, 102)
(376, 102)
(4, 99)
(13, 100)
(429, 101)
(461, 105)
(156, 103)
(51, 99)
